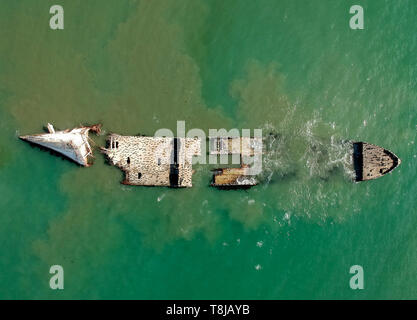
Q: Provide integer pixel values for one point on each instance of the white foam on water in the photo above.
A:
(322, 155)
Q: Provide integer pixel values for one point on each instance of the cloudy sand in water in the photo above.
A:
(292, 68)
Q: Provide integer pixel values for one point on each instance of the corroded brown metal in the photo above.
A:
(371, 161)
(233, 178)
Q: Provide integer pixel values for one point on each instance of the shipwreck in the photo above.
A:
(168, 161)
(153, 161)
(71, 143)
(371, 162)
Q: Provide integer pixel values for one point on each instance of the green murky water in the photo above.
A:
(292, 67)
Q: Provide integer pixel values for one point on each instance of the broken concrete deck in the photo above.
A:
(244, 146)
(233, 178)
(153, 161)
(228, 178)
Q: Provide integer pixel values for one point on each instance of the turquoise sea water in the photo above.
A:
(289, 66)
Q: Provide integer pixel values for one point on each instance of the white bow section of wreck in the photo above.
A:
(153, 161)
(72, 144)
